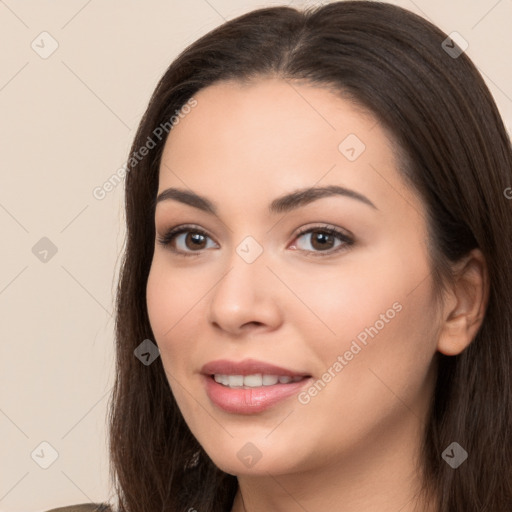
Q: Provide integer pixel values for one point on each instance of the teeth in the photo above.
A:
(270, 380)
(253, 381)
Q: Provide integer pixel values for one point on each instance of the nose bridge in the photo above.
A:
(246, 270)
(249, 250)
(246, 292)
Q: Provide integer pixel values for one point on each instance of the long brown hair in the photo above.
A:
(454, 151)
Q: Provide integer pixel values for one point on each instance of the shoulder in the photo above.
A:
(84, 507)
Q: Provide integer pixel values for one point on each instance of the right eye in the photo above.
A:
(194, 238)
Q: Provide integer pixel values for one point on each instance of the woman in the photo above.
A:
(318, 244)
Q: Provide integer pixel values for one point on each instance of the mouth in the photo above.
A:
(242, 399)
(250, 386)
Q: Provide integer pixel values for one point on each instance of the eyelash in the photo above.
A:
(166, 240)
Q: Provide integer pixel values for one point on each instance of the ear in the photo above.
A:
(465, 307)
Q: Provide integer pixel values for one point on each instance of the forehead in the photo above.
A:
(269, 105)
(272, 136)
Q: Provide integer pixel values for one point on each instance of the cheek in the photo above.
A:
(343, 303)
(380, 315)
(170, 310)
(386, 351)
(160, 303)
(169, 307)
(173, 299)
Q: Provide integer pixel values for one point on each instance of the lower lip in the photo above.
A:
(250, 400)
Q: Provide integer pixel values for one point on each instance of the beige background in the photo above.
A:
(67, 122)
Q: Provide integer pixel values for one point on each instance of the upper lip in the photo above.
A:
(247, 367)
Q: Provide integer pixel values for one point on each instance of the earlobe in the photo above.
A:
(464, 312)
(454, 337)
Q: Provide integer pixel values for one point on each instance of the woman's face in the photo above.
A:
(351, 315)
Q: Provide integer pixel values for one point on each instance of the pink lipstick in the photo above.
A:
(250, 386)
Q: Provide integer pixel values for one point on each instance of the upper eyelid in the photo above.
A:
(321, 225)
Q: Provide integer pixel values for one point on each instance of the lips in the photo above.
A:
(234, 386)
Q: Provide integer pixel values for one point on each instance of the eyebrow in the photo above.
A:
(281, 204)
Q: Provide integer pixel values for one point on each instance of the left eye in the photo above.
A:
(195, 238)
(323, 238)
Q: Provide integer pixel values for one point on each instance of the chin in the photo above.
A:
(250, 458)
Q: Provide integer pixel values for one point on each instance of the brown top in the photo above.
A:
(84, 507)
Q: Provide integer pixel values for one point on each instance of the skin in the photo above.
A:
(356, 442)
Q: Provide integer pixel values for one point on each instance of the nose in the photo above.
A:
(247, 297)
